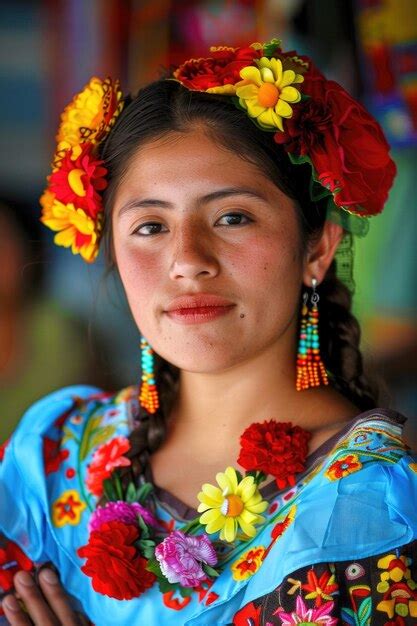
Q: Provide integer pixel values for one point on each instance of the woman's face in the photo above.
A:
(194, 221)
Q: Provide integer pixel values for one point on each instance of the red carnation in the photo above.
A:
(116, 568)
(105, 459)
(221, 68)
(79, 179)
(275, 448)
(346, 145)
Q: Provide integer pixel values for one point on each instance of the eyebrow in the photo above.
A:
(210, 197)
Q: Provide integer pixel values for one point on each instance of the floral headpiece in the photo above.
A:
(314, 119)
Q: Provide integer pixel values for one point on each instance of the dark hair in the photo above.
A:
(166, 106)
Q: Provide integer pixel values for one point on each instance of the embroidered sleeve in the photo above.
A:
(380, 590)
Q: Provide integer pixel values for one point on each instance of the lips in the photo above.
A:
(198, 301)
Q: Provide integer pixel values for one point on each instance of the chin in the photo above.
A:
(199, 356)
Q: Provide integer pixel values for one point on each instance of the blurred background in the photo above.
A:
(63, 322)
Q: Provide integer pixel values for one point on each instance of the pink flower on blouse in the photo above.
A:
(303, 615)
(181, 557)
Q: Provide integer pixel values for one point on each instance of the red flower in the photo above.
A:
(79, 178)
(12, 560)
(346, 145)
(116, 568)
(53, 455)
(221, 68)
(105, 459)
(276, 448)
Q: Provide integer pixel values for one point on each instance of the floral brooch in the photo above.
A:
(129, 549)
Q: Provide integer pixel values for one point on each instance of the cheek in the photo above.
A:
(139, 274)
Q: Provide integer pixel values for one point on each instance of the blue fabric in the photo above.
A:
(323, 518)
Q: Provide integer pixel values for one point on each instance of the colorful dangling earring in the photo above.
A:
(148, 395)
(310, 368)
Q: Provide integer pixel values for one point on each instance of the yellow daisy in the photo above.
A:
(231, 505)
(267, 90)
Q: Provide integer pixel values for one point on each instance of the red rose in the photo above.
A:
(115, 566)
(105, 459)
(346, 145)
(276, 448)
(221, 68)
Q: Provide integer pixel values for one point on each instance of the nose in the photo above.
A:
(193, 256)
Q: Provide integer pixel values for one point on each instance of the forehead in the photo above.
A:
(180, 162)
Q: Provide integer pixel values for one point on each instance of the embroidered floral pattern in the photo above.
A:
(320, 589)
(248, 564)
(398, 587)
(67, 509)
(343, 467)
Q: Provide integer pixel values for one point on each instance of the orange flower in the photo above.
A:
(67, 509)
(105, 459)
(344, 466)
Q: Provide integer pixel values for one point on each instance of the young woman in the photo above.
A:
(251, 478)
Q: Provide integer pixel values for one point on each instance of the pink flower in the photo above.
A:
(303, 615)
(120, 512)
(181, 557)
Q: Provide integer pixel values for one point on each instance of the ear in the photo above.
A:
(320, 255)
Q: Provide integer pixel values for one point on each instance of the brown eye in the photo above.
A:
(234, 219)
(150, 228)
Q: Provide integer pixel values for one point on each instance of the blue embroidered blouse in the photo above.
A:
(340, 547)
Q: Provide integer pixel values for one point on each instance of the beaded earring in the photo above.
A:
(148, 395)
(310, 368)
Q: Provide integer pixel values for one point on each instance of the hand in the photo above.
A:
(46, 604)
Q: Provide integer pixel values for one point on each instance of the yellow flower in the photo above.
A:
(76, 230)
(67, 509)
(234, 504)
(91, 113)
(266, 91)
(248, 564)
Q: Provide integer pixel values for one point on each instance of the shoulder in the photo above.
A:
(45, 466)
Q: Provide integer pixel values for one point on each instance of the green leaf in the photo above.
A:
(143, 492)
(271, 46)
(109, 491)
(210, 571)
(101, 436)
(131, 493)
(92, 425)
(165, 585)
(364, 612)
(117, 485)
(154, 567)
(186, 592)
(143, 527)
(68, 434)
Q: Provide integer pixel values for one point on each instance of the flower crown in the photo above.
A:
(314, 119)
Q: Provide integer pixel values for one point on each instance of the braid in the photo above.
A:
(340, 340)
(150, 429)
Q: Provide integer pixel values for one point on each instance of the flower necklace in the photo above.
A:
(127, 528)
